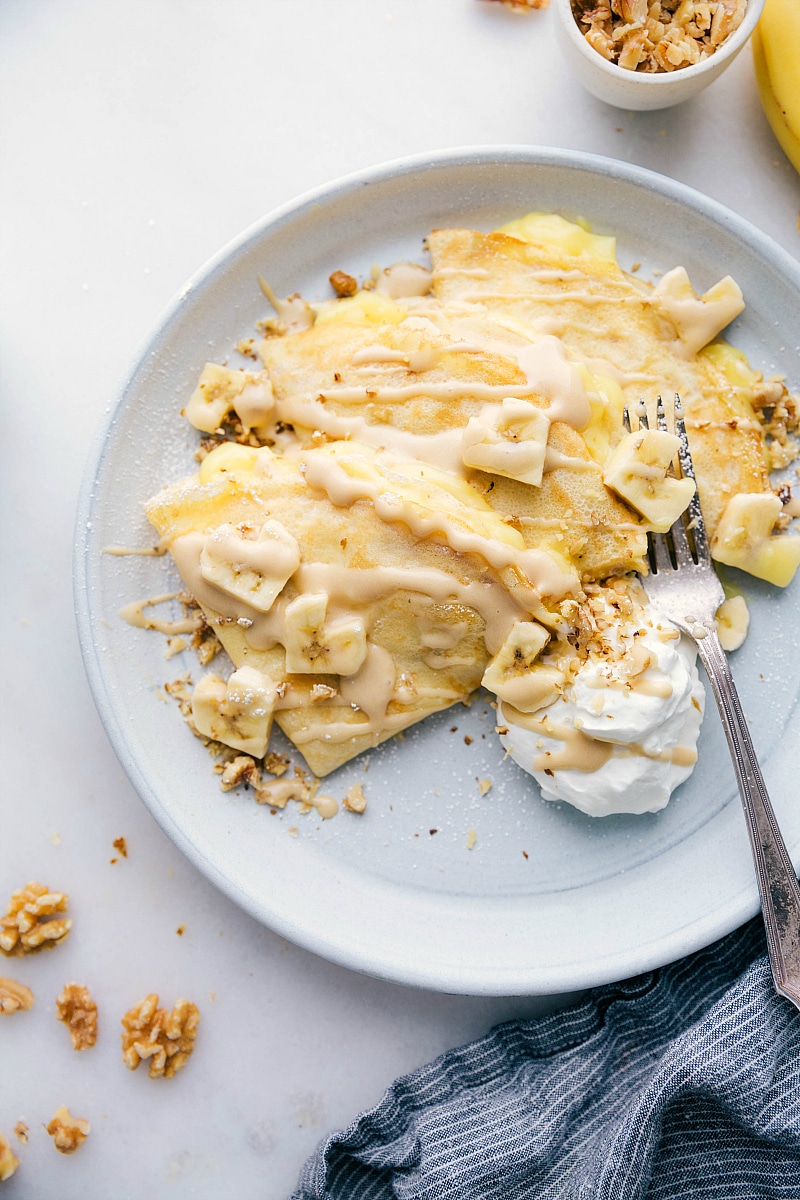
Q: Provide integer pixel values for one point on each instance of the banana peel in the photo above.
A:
(776, 57)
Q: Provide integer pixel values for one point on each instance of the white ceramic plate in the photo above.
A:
(396, 892)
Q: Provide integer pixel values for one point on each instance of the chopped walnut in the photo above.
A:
(242, 769)
(205, 642)
(14, 997)
(343, 284)
(521, 6)
(31, 921)
(21, 1131)
(121, 845)
(657, 35)
(76, 1008)
(166, 1039)
(8, 1159)
(276, 764)
(68, 1132)
(779, 413)
(355, 800)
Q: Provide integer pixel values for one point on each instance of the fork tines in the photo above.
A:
(686, 541)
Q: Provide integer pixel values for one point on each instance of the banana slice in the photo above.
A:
(239, 712)
(253, 566)
(697, 319)
(637, 471)
(744, 539)
(508, 439)
(221, 389)
(313, 646)
(733, 622)
(514, 675)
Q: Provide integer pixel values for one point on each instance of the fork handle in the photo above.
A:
(777, 881)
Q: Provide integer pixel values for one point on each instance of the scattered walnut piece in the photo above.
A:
(343, 284)
(242, 769)
(14, 996)
(121, 845)
(276, 764)
(76, 1008)
(68, 1132)
(8, 1159)
(166, 1039)
(31, 920)
(484, 786)
(21, 1131)
(472, 838)
(522, 6)
(355, 800)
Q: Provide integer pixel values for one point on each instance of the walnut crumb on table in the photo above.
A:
(14, 997)
(68, 1132)
(78, 1011)
(8, 1159)
(166, 1039)
(21, 1131)
(32, 920)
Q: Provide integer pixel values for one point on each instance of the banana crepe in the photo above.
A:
(410, 497)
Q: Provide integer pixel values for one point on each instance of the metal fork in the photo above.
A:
(683, 585)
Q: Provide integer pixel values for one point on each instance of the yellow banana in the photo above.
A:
(776, 55)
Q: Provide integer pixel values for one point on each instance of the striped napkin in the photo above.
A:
(682, 1084)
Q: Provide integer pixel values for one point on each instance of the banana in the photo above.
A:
(697, 319)
(239, 712)
(637, 471)
(230, 457)
(733, 622)
(776, 55)
(508, 439)
(574, 239)
(252, 566)
(314, 646)
(515, 676)
(744, 539)
(220, 389)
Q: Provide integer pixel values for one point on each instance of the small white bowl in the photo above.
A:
(636, 90)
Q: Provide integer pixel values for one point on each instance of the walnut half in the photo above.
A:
(14, 996)
(76, 1008)
(68, 1132)
(32, 920)
(8, 1159)
(166, 1039)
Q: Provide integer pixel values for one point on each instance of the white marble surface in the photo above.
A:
(137, 138)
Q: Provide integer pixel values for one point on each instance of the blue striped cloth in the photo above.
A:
(682, 1084)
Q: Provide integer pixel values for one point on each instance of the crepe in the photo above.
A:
(416, 482)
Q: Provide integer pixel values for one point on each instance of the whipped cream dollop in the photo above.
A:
(622, 733)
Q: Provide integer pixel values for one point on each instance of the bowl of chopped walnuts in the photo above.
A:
(648, 54)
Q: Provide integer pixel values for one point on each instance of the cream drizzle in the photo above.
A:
(295, 314)
(133, 613)
(353, 586)
(147, 552)
(555, 460)
(323, 472)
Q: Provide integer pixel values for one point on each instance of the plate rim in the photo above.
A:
(547, 980)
